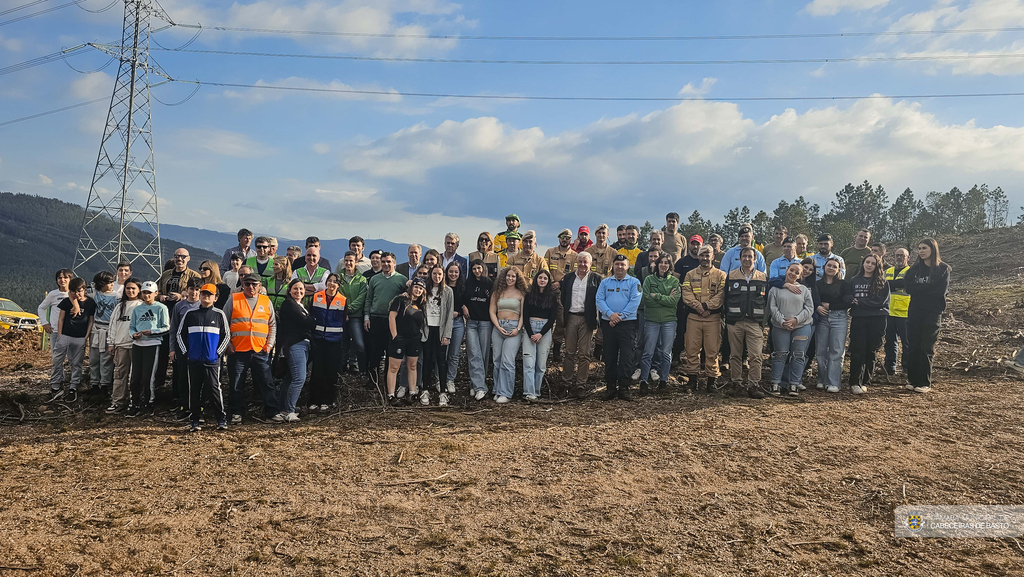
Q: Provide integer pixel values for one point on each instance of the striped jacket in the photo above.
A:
(329, 316)
(203, 335)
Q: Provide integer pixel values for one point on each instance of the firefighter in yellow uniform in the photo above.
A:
(561, 261)
(704, 294)
(512, 223)
(528, 259)
(630, 249)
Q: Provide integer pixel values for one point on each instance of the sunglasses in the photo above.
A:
(263, 246)
(204, 269)
(181, 256)
(251, 283)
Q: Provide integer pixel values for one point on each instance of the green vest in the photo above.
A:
(899, 300)
(267, 273)
(276, 292)
(318, 276)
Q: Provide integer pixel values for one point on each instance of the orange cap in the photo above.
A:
(208, 288)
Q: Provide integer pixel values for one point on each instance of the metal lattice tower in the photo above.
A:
(123, 191)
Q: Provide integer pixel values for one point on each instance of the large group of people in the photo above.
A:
(292, 325)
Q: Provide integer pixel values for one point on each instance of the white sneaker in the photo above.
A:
(236, 419)
(442, 400)
(636, 375)
(501, 400)
(292, 417)
(425, 398)
(278, 418)
(820, 385)
(863, 388)
(400, 393)
(531, 397)
(325, 408)
(801, 388)
(655, 377)
(857, 390)
(451, 387)
(479, 395)
(313, 408)
(922, 389)
(832, 389)
(908, 387)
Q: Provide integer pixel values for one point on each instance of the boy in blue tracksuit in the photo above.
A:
(203, 335)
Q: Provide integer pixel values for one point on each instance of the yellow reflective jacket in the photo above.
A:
(899, 300)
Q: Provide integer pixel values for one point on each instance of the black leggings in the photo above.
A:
(435, 359)
(326, 360)
(922, 333)
(142, 389)
(865, 339)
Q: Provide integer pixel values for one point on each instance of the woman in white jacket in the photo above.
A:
(119, 344)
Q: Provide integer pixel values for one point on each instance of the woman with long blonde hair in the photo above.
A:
(506, 310)
(210, 273)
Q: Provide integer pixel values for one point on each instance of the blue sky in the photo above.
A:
(410, 169)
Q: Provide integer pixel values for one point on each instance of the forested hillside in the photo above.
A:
(39, 235)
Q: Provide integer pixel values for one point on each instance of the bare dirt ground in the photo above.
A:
(668, 485)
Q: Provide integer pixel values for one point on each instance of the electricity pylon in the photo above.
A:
(123, 186)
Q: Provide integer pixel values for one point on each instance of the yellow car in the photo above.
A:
(13, 317)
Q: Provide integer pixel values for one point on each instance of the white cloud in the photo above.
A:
(93, 85)
(45, 180)
(321, 148)
(310, 88)
(964, 15)
(833, 7)
(225, 143)
(10, 44)
(705, 87)
(348, 16)
(699, 154)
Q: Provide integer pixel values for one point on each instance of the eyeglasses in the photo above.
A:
(181, 256)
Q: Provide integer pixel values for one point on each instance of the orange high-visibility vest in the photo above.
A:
(250, 328)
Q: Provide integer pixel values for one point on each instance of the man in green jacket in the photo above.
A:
(353, 287)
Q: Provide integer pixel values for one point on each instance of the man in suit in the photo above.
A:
(451, 244)
(579, 301)
(407, 269)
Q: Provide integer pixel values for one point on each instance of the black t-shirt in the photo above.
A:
(77, 325)
(409, 322)
(174, 283)
(371, 273)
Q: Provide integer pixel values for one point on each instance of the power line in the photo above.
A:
(599, 38)
(39, 13)
(44, 59)
(55, 111)
(16, 8)
(594, 98)
(910, 58)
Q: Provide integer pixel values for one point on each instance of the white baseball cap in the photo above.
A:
(149, 287)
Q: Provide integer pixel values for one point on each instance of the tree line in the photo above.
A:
(901, 223)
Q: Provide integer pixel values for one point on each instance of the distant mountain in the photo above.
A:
(39, 235)
(218, 242)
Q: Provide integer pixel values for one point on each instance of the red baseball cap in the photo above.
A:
(697, 238)
(583, 229)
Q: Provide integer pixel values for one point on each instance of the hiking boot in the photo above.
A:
(755, 392)
(609, 393)
(644, 388)
(662, 386)
(624, 393)
(710, 386)
(736, 391)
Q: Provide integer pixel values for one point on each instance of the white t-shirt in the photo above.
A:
(433, 309)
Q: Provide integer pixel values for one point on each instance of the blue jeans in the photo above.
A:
(238, 364)
(658, 339)
(535, 358)
(504, 350)
(478, 345)
(353, 339)
(831, 337)
(455, 347)
(790, 344)
(298, 356)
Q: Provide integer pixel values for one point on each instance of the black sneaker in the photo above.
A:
(395, 401)
(148, 411)
(644, 388)
(72, 396)
(775, 391)
(624, 394)
(222, 425)
(609, 394)
(56, 395)
(133, 411)
(182, 414)
(793, 391)
(194, 427)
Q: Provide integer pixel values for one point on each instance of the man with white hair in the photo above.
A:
(579, 301)
(451, 244)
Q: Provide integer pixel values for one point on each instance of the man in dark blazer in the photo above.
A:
(579, 301)
(451, 244)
